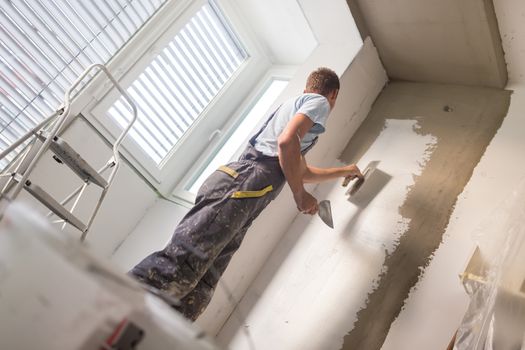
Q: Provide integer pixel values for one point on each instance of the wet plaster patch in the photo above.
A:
(461, 122)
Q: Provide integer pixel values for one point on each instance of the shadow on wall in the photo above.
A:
(375, 181)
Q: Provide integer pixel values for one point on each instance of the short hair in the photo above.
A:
(322, 81)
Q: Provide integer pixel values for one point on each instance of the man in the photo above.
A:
(203, 243)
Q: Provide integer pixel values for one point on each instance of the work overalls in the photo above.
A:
(190, 266)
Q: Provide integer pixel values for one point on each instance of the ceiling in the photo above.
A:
(437, 41)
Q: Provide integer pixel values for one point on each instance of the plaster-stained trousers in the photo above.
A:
(203, 243)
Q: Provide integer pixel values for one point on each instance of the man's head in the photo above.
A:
(323, 81)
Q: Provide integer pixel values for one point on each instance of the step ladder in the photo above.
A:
(44, 137)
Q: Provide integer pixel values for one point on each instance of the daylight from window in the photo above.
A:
(245, 129)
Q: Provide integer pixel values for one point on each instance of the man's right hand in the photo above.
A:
(306, 203)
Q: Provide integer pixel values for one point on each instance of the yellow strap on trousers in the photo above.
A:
(228, 171)
(252, 194)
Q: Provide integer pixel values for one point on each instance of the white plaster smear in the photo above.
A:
(309, 292)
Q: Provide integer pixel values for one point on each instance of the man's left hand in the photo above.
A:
(351, 172)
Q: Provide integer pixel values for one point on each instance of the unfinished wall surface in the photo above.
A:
(436, 41)
(348, 284)
(462, 121)
(437, 303)
(435, 306)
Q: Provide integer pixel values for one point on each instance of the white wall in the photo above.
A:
(355, 277)
(282, 29)
(510, 14)
(338, 44)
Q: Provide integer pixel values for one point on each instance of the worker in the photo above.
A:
(189, 267)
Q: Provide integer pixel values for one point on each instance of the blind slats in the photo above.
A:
(181, 81)
(46, 44)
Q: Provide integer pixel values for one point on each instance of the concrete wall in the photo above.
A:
(437, 303)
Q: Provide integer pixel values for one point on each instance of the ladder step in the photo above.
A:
(52, 204)
(69, 156)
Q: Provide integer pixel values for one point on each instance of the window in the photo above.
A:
(181, 81)
(46, 44)
(199, 65)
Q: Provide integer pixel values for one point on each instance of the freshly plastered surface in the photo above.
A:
(347, 285)
(463, 121)
(318, 279)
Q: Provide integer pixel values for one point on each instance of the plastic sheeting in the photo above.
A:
(495, 318)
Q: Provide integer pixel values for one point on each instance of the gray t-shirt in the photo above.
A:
(314, 106)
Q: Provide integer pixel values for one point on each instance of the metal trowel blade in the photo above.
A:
(325, 213)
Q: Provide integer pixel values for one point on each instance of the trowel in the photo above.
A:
(325, 213)
(371, 167)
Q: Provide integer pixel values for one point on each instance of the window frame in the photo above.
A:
(180, 159)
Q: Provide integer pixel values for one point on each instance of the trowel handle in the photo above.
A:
(347, 179)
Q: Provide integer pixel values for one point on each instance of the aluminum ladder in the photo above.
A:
(45, 137)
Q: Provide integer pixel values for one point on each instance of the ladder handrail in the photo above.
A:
(116, 145)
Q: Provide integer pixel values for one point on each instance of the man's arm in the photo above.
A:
(295, 169)
(292, 162)
(315, 175)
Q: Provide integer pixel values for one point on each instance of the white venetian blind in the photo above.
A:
(178, 84)
(46, 44)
